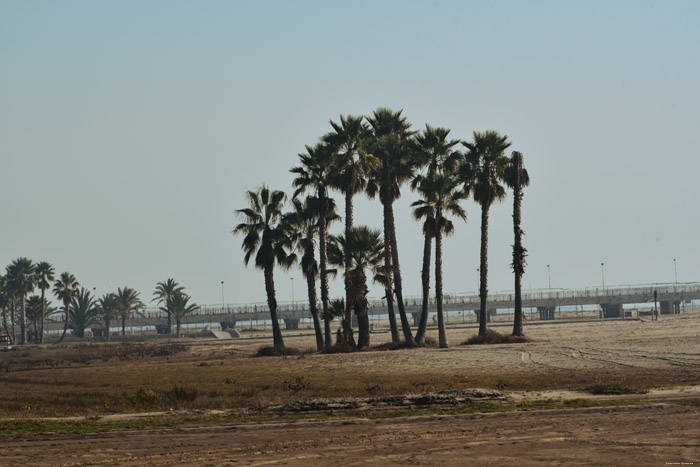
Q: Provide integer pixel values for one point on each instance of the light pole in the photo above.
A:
(223, 302)
(549, 275)
(602, 272)
(675, 270)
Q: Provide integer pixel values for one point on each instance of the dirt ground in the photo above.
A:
(661, 427)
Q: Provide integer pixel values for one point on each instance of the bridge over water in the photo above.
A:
(610, 300)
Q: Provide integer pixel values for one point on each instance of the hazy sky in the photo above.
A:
(129, 131)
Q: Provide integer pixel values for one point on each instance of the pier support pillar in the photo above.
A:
(291, 324)
(416, 318)
(546, 312)
(610, 311)
(667, 307)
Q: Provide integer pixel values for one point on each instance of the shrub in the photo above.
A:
(493, 337)
(271, 351)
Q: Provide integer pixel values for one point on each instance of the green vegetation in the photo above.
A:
(493, 337)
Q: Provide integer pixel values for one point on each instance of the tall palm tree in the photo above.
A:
(435, 152)
(180, 307)
(351, 165)
(266, 238)
(129, 303)
(21, 279)
(164, 291)
(481, 172)
(108, 308)
(303, 223)
(390, 142)
(365, 248)
(65, 289)
(45, 274)
(83, 312)
(313, 175)
(441, 196)
(516, 177)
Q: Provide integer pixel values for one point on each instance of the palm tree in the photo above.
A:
(164, 291)
(180, 307)
(129, 303)
(266, 238)
(34, 311)
(351, 166)
(65, 289)
(22, 279)
(441, 195)
(45, 273)
(390, 143)
(314, 175)
(303, 226)
(481, 172)
(365, 248)
(433, 150)
(6, 304)
(516, 177)
(108, 309)
(82, 312)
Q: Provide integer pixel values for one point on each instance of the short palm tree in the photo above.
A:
(441, 196)
(314, 176)
(164, 291)
(365, 248)
(65, 289)
(266, 238)
(434, 151)
(129, 303)
(516, 177)
(351, 165)
(108, 309)
(21, 279)
(180, 306)
(34, 311)
(45, 275)
(6, 305)
(482, 173)
(83, 312)
(390, 142)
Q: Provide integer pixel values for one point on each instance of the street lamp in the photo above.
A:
(602, 272)
(675, 270)
(223, 302)
(549, 275)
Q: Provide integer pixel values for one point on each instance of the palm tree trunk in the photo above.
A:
(328, 336)
(178, 325)
(322, 259)
(107, 328)
(170, 322)
(277, 339)
(388, 292)
(442, 334)
(313, 307)
(124, 325)
(347, 323)
(518, 258)
(483, 269)
(396, 269)
(43, 315)
(65, 322)
(12, 318)
(23, 317)
(425, 279)
(4, 322)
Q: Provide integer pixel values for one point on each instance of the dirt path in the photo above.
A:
(653, 434)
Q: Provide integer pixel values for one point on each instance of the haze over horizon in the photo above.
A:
(129, 132)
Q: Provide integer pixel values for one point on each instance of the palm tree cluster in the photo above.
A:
(81, 308)
(377, 155)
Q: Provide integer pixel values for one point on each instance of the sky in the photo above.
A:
(130, 131)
